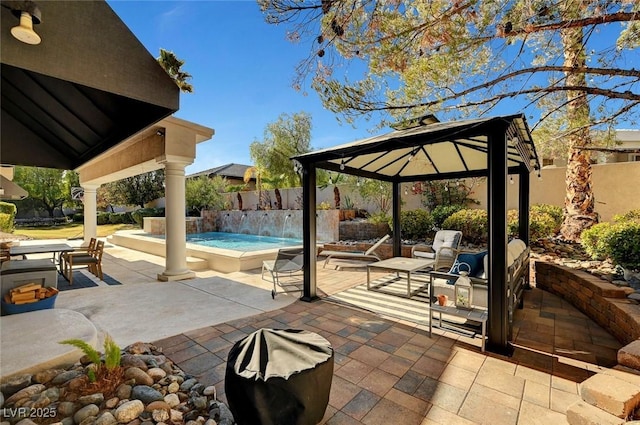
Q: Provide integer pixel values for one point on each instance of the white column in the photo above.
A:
(176, 232)
(90, 210)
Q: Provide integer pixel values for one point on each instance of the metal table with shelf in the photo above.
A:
(475, 314)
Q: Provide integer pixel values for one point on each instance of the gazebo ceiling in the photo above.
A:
(433, 151)
(86, 87)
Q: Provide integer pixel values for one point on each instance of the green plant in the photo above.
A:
(103, 218)
(7, 216)
(624, 245)
(78, 217)
(347, 203)
(541, 224)
(441, 212)
(554, 211)
(138, 215)
(112, 355)
(633, 215)
(380, 217)
(594, 240)
(471, 222)
(416, 224)
(324, 206)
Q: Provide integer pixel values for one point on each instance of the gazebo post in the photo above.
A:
(395, 214)
(309, 232)
(523, 215)
(497, 202)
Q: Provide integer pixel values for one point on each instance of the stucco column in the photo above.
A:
(90, 212)
(175, 230)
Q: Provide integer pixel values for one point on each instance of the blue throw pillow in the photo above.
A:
(464, 263)
(480, 263)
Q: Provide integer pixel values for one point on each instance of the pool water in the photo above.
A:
(240, 241)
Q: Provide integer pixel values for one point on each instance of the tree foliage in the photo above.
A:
(170, 62)
(570, 65)
(288, 136)
(137, 190)
(48, 188)
(204, 192)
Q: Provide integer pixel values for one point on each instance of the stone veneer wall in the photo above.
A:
(604, 302)
(362, 230)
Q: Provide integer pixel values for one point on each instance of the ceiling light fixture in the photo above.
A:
(29, 14)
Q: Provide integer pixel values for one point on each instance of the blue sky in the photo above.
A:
(242, 72)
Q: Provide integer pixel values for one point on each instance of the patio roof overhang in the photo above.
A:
(86, 87)
(441, 150)
(491, 147)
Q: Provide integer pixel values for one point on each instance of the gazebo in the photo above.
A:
(426, 149)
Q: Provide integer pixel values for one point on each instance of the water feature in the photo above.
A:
(276, 223)
(287, 220)
(226, 224)
(262, 220)
(242, 227)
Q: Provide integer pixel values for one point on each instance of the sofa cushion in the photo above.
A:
(465, 262)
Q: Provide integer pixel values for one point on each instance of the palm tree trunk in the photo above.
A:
(278, 198)
(336, 196)
(579, 202)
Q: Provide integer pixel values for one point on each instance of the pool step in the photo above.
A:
(194, 263)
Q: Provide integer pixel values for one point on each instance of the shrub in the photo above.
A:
(8, 214)
(117, 218)
(624, 245)
(324, 206)
(633, 215)
(78, 218)
(380, 218)
(416, 224)
(138, 215)
(594, 240)
(471, 222)
(103, 218)
(554, 211)
(441, 212)
(6, 223)
(541, 224)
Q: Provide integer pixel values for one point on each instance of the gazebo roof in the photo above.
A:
(433, 151)
(86, 87)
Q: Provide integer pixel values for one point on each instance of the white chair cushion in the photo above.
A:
(424, 254)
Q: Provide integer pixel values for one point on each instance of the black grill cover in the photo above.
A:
(279, 377)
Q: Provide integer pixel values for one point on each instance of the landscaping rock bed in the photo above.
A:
(147, 390)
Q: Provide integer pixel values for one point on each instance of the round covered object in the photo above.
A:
(278, 377)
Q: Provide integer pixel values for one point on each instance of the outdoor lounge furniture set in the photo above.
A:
(17, 272)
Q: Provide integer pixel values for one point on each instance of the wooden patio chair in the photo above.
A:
(92, 259)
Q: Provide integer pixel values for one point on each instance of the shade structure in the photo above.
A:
(440, 150)
(86, 87)
(430, 150)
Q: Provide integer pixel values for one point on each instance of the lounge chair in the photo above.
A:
(444, 249)
(368, 255)
(287, 262)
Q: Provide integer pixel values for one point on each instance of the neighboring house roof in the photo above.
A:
(628, 136)
(235, 171)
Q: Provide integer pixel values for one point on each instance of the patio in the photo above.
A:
(386, 371)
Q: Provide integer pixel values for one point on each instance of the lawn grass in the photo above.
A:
(72, 230)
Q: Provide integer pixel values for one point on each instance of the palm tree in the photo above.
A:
(258, 172)
(172, 65)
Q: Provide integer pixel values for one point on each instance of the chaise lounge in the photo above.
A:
(368, 255)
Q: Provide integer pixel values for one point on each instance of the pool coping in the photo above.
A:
(218, 259)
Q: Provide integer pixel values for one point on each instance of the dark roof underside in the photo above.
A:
(86, 87)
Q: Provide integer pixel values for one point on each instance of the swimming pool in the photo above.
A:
(220, 251)
(240, 241)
